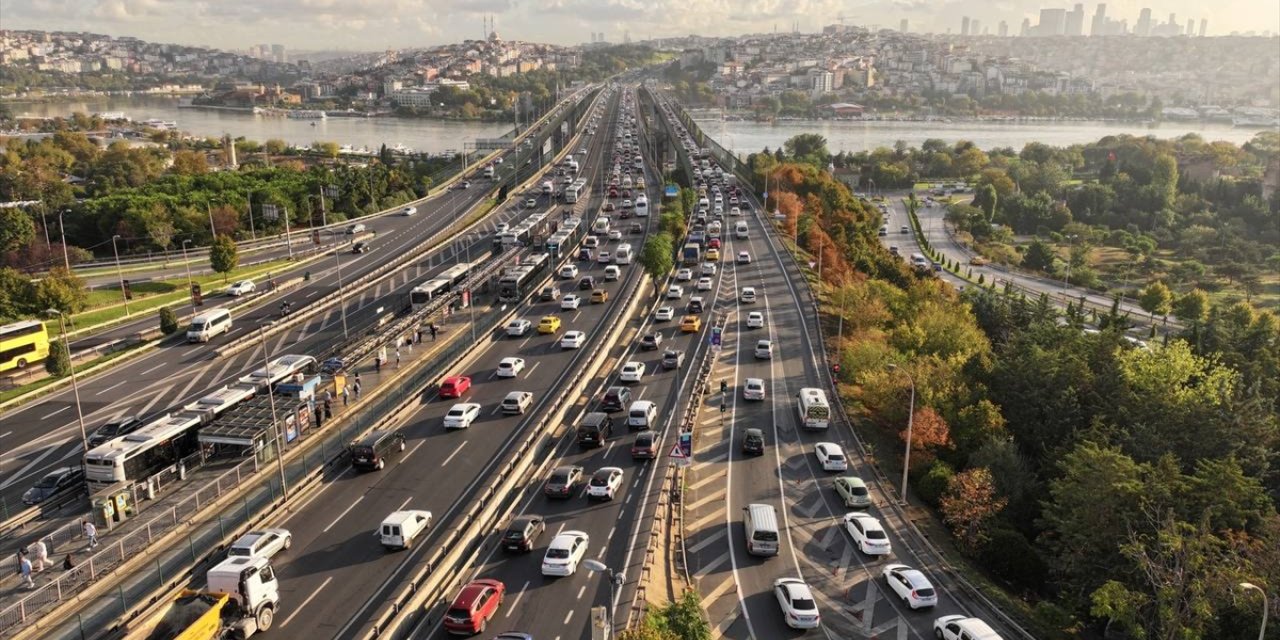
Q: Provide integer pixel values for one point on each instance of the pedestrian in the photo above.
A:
(90, 532)
(24, 567)
(377, 364)
(328, 409)
(397, 357)
(41, 555)
(417, 335)
(344, 396)
(68, 563)
(327, 396)
(408, 341)
(433, 332)
(356, 387)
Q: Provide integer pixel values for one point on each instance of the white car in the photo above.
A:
(755, 320)
(744, 257)
(753, 389)
(664, 314)
(612, 273)
(867, 534)
(615, 235)
(242, 288)
(516, 402)
(569, 271)
(957, 627)
(518, 327)
(409, 211)
(530, 203)
(510, 367)
(675, 292)
(830, 456)
(632, 372)
(573, 340)
(564, 553)
(604, 483)
(461, 415)
(799, 608)
(684, 275)
(704, 284)
(263, 543)
(734, 211)
(708, 268)
(603, 258)
(911, 585)
(570, 302)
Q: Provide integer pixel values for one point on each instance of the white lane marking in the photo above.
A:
(455, 452)
(531, 369)
(567, 616)
(7, 433)
(162, 364)
(307, 601)
(405, 503)
(609, 450)
(412, 451)
(110, 387)
(516, 601)
(21, 472)
(612, 530)
(50, 415)
(344, 513)
(581, 591)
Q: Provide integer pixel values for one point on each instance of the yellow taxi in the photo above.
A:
(549, 324)
(690, 324)
(713, 255)
(598, 296)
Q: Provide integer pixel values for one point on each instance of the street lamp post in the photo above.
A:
(275, 420)
(615, 581)
(66, 261)
(911, 414)
(342, 302)
(1262, 633)
(213, 231)
(191, 290)
(124, 293)
(75, 385)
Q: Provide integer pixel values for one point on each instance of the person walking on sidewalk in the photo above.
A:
(41, 553)
(356, 387)
(24, 567)
(397, 357)
(344, 396)
(90, 532)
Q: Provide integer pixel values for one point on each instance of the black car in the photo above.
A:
(587, 283)
(114, 429)
(562, 482)
(672, 359)
(370, 454)
(616, 399)
(753, 442)
(360, 247)
(522, 532)
(53, 483)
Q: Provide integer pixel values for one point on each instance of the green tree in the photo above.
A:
(224, 255)
(809, 148)
(985, 199)
(1039, 256)
(1156, 299)
(276, 147)
(1192, 307)
(657, 256)
(16, 292)
(17, 230)
(60, 289)
(168, 321)
(58, 363)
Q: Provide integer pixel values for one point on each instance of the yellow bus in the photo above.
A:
(23, 343)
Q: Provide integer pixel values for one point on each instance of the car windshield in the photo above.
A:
(559, 479)
(857, 491)
(47, 482)
(239, 551)
(456, 413)
(803, 604)
(600, 481)
(925, 592)
(557, 554)
(876, 534)
(516, 533)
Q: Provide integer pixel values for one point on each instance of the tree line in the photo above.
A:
(1109, 485)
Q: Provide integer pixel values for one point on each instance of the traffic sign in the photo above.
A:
(686, 445)
(715, 336)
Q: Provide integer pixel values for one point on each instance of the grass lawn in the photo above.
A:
(105, 304)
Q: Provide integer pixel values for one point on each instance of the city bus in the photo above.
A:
(518, 283)
(23, 343)
(815, 413)
(424, 293)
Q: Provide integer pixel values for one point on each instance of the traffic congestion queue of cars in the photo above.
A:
(794, 596)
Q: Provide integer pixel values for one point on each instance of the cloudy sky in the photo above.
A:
(370, 25)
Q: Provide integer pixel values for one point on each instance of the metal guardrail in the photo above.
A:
(823, 372)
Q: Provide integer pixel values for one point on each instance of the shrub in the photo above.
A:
(168, 321)
(934, 483)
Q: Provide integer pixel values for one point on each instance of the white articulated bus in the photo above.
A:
(815, 413)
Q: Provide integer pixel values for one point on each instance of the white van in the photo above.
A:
(740, 230)
(748, 295)
(760, 521)
(642, 414)
(208, 325)
(918, 261)
(401, 528)
(623, 254)
(547, 187)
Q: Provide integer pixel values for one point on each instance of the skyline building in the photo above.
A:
(1075, 21)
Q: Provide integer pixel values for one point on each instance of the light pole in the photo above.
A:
(1262, 633)
(75, 385)
(615, 581)
(1067, 280)
(342, 302)
(911, 414)
(119, 275)
(66, 261)
(213, 231)
(275, 421)
(191, 289)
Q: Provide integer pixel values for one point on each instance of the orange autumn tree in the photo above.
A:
(929, 433)
(969, 506)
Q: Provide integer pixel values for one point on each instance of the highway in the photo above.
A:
(44, 434)
(337, 573)
(738, 588)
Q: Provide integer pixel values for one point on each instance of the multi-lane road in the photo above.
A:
(44, 434)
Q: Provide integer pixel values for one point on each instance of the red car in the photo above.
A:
(475, 605)
(455, 386)
(714, 243)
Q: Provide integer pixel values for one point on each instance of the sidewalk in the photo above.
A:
(183, 500)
